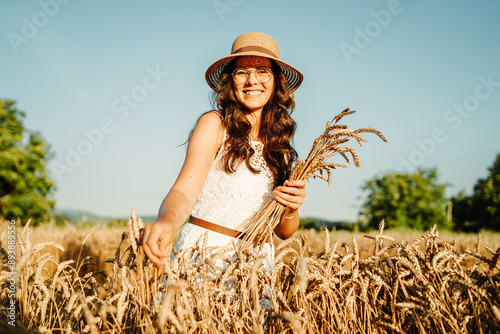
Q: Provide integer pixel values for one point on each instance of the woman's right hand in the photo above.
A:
(155, 238)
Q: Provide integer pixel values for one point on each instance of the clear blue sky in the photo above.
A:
(116, 86)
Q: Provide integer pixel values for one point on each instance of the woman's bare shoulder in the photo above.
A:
(212, 116)
(209, 128)
(211, 121)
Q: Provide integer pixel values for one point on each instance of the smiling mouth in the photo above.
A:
(253, 92)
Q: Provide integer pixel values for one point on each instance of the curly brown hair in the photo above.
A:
(276, 131)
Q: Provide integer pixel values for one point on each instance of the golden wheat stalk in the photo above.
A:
(258, 228)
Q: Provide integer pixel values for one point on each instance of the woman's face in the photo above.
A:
(252, 93)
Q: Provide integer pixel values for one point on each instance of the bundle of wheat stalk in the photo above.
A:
(258, 228)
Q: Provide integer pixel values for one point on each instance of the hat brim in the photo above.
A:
(292, 75)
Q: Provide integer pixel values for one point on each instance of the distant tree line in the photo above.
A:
(417, 200)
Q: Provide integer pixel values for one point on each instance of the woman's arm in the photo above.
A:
(205, 141)
(292, 195)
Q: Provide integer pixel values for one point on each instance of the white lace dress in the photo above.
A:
(228, 199)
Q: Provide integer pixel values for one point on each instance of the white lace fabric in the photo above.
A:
(228, 199)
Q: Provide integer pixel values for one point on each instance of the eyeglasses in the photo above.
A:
(263, 74)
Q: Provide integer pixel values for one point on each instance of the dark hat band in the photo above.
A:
(255, 48)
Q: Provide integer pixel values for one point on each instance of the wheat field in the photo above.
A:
(97, 280)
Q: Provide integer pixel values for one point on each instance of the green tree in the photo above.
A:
(414, 200)
(26, 191)
(482, 209)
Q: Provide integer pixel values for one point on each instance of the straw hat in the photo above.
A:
(254, 44)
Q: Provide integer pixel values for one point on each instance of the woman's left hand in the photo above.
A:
(291, 194)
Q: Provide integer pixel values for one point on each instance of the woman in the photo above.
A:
(238, 157)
